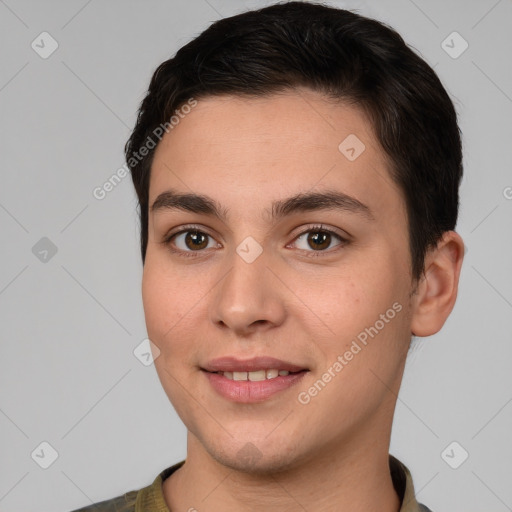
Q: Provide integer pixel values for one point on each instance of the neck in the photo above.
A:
(356, 479)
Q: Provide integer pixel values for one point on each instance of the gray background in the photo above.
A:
(70, 322)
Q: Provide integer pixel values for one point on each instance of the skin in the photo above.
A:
(332, 453)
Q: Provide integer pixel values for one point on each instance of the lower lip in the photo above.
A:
(246, 391)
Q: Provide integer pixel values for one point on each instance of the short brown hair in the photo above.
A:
(339, 53)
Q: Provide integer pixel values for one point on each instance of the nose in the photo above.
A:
(249, 298)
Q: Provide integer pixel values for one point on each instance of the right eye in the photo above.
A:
(189, 241)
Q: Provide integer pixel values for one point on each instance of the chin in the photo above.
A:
(258, 458)
(252, 463)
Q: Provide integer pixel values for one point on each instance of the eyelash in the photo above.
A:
(317, 228)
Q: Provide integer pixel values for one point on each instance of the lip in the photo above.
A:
(232, 364)
(246, 391)
(251, 391)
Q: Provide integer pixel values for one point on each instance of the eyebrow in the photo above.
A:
(303, 202)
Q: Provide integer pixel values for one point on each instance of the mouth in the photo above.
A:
(253, 365)
(258, 375)
(252, 380)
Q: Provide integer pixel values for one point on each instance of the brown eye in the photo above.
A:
(189, 241)
(196, 240)
(319, 239)
(316, 240)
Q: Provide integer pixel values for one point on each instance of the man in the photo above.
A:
(297, 169)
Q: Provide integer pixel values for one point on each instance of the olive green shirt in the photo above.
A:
(151, 498)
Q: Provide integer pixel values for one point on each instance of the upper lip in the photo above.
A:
(232, 364)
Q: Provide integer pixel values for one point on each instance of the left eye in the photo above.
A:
(317, 239)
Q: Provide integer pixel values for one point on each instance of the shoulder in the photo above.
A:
(124, 503)
(148, 498)
(403, 483)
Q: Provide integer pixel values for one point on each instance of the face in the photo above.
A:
(321, 282)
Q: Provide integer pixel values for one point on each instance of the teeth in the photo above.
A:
(272, 374)
(255, 376)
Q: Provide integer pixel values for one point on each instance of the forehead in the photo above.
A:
(250, 151)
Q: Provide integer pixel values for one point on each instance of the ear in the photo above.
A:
(437, 288)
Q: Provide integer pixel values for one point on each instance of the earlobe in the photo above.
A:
(437, 289)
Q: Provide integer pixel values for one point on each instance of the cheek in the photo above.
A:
(166, 299)
(354, 297)
(368, 348)
(367, 303)
(167, 305)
